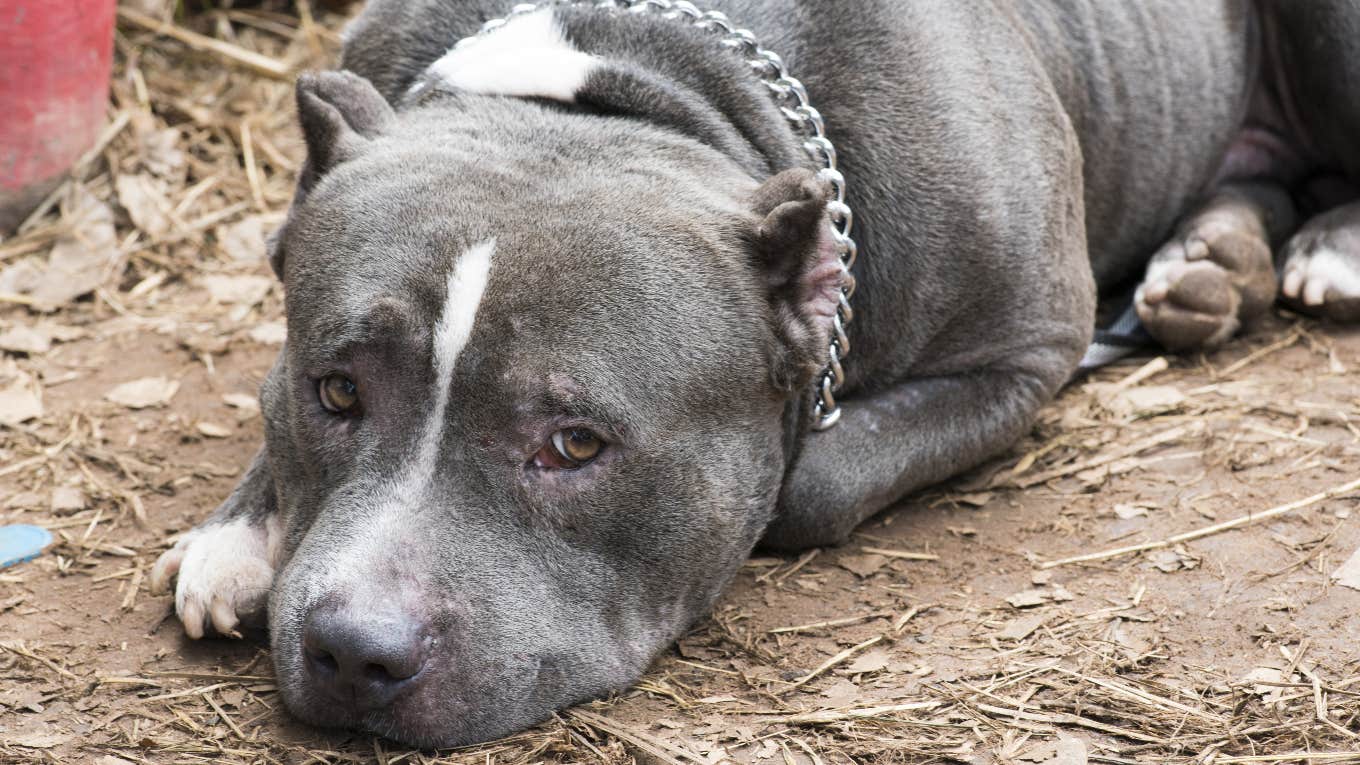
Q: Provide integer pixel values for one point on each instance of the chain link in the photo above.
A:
(792, 99)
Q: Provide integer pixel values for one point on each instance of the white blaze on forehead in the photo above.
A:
(467, 282)
(374, 541)
(527, 57)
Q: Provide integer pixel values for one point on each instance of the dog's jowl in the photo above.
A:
(560, 298)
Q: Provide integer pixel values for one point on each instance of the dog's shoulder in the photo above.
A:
(393, 41)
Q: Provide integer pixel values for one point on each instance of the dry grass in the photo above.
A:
(199, 162)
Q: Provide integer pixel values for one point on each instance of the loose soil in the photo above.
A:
(938, 634)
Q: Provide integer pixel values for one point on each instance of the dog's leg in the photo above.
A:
(1321, 273)
(900, 440)
(1216, 273)
(225, 566)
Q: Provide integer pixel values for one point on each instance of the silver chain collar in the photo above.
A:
(792, 99)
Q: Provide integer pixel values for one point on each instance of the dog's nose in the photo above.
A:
(364, 658)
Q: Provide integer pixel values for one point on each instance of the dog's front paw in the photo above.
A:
(1322, 271)
(818, 506)
(223, 572)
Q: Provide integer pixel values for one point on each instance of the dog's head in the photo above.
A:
(534, 407)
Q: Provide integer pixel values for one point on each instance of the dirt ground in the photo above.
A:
(941, 634)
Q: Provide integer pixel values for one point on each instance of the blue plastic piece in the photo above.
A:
(20, 543)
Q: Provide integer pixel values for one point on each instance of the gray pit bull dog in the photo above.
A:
(557, 300)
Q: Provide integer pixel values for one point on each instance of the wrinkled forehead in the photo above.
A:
(606, 305)
(399, 215)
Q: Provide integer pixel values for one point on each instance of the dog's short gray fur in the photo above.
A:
(1008, 161)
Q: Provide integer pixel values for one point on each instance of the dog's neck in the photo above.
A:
(637, 66)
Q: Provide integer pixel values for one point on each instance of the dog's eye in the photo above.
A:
(569, 449)
(338, 394)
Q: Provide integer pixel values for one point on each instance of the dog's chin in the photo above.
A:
(426, 717)
(443, 729)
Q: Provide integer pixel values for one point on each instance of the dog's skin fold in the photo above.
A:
(595, 230)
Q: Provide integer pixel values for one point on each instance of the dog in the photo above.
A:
(559, 300)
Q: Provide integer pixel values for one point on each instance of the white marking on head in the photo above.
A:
(369, 549)
(467, 283)
(527, 57)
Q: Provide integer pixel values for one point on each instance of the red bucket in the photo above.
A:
(54, 84)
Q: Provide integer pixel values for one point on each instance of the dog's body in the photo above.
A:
(553, 320)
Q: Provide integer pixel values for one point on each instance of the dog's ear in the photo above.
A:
(339, 112)
(803, 273)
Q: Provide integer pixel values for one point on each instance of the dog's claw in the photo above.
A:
(1155, 292)
(224, 617)
(167, 566)
(1292, 285)
(191, 616)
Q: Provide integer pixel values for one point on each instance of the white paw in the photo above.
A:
(223, 573)
(1318, 277)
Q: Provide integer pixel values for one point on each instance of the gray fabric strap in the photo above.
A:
(1122, 338)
